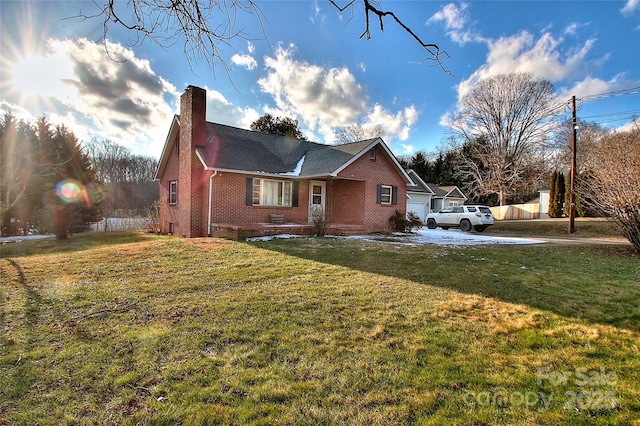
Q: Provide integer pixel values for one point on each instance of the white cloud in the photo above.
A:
(630, 7)
(246, 61)
(590, 86)
(455, 21)
(220, 110)
(325, 98)
(629, 126)
(113, 96)
(18, 111)
(543, 57)
(395, 125)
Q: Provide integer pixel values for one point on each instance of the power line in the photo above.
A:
(622, 92)
(613, 114)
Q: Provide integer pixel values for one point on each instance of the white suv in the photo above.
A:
(464, 217)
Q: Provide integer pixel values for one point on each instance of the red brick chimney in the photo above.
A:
(193, 110)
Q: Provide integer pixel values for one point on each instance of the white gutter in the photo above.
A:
(209, 218)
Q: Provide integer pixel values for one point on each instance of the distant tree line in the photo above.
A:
(126, 179)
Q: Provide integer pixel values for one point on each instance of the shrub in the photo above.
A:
(320, 223)
(401, 223)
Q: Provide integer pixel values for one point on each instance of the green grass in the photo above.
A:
(583, 227)
(133, 328)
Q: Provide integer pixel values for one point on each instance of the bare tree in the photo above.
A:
(611, 184)
(206, 26)
(504, 124)
(589, 136)
(356, 132)
(127, 179)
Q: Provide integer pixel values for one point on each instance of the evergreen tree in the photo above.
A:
(561, 191)
(567, 197)
(47, 182)
(553, 193)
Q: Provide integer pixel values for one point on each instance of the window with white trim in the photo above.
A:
(269, 192)
(386, 192)
(173, 192)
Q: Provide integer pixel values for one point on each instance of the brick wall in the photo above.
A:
(376, 172)
(348, 201)
(169, 213)
(229, 202)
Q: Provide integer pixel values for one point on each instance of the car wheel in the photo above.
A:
(479, 228)
(431, 224)
(465, 225)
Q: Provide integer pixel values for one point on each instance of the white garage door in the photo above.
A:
(417, 208)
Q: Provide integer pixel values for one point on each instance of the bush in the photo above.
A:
(401, 223)
(611, 185)
(320, 223)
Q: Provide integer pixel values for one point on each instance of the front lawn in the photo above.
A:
(134, 328)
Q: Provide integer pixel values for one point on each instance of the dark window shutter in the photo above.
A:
(394, 195)
(379, 195)
(249, 192)
(295, 195)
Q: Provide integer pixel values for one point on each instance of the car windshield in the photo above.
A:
(485, 210)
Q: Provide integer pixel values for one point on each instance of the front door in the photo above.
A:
(317, 194)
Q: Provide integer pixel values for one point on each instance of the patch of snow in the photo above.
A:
(21, 238)
(272, 237)
(297, 170)
(451, 237)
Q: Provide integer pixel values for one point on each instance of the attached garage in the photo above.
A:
(418, 196)
(418, 208)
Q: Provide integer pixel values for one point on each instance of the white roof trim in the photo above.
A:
(168, 144)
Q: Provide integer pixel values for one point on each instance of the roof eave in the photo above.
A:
(168, 144)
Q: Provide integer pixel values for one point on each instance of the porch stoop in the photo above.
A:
(346, 229)
(243, 231)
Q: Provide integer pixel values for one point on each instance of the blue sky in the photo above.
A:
(308, 62)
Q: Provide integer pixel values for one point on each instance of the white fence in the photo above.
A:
(115, 224)
(516, 211)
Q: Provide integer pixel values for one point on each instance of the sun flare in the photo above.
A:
(43, 76)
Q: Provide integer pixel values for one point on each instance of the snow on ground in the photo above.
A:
(23, 238)
(271, 237)
(451, 237)
(455, 237)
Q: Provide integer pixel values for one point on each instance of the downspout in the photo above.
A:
(209, 215)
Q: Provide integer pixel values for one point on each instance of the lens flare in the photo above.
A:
(71, 191)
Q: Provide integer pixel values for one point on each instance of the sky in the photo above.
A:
(306, 60)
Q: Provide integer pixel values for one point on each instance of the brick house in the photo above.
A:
(218, 180)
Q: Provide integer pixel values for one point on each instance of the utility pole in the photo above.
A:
(572, 206)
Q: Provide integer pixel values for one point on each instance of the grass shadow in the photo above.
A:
(597, 284)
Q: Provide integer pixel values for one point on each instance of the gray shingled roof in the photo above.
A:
(442, 191)
(420, 185)
(231, 148)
